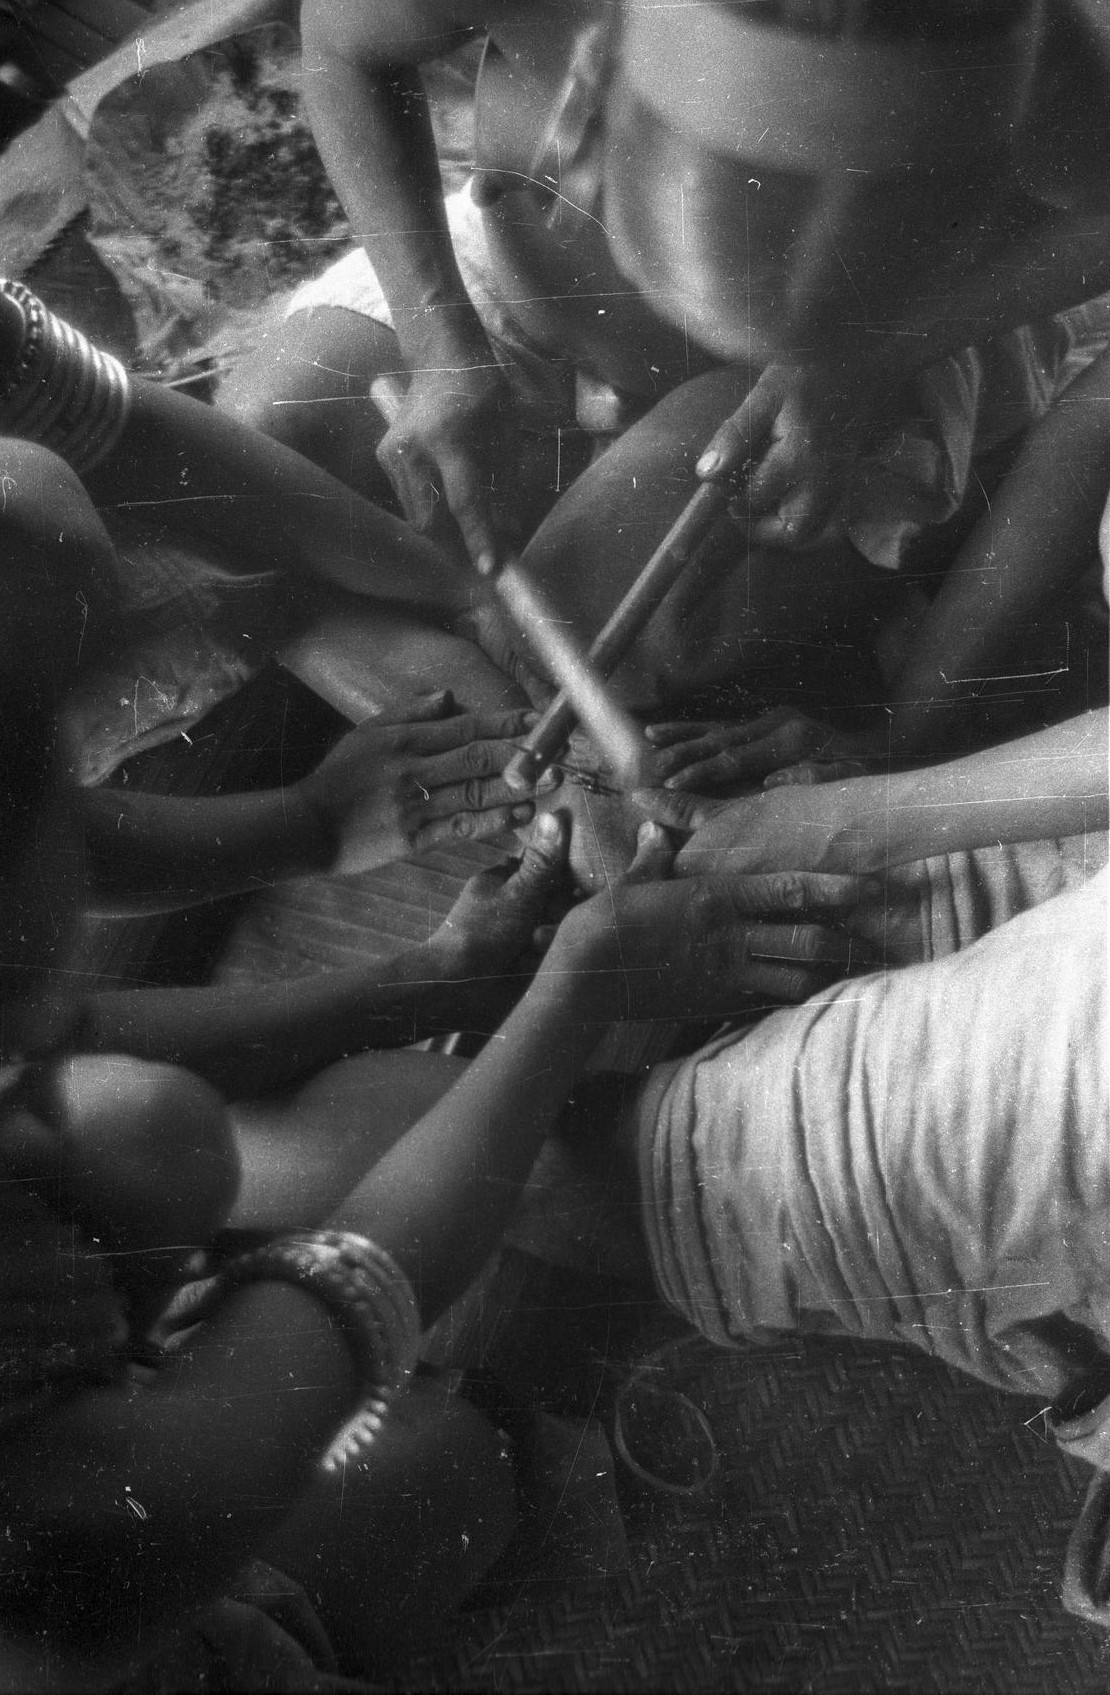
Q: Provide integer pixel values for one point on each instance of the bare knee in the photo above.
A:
(307, 385)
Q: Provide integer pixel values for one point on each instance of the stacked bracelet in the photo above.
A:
(371, 1299)
(60, 390)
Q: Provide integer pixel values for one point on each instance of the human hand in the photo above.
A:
(779, 747)
(490, 941)
(486, 625)
(395, 788)
(790, 829)
(796, 441)
(453, 439)
(700, 948)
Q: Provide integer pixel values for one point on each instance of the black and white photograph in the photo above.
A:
(554, 686)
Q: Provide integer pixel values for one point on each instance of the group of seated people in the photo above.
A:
(229, 1219)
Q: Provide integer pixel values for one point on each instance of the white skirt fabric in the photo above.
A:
(919, 1157)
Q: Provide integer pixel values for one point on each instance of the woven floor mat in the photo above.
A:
(876, 1523)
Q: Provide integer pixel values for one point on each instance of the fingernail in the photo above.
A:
(672, 782)
(486, 563)
(708, 463)
(521, 814)
(546, 828)
(651, 733)
(529, 718)
(548, 781)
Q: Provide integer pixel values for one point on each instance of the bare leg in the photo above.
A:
(308, 387)
(740, 609)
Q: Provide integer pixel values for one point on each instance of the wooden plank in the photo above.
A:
(53, 29)
(53, 65)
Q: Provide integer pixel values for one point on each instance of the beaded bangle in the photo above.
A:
(61, 391)
(371, 1299)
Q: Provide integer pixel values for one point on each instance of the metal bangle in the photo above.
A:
(62, 392)
(372, 1301)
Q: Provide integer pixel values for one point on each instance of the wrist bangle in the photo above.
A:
(60, 390)
(371, 1300)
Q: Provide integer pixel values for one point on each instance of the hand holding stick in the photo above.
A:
(616, 636)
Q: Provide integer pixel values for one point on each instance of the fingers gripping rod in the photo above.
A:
(617, 735)
(616, 636)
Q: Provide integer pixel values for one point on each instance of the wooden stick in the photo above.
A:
(617, 735)
(615, 732)
(616, 636)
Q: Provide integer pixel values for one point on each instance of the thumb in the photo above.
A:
(740, 436)
(542, 863)
(654, 857)
(674, 809)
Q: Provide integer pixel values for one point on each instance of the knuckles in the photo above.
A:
(463, 825)
(787, 890)
(478, 759)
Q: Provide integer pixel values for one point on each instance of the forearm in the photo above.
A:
(369, 116)
(260, 506)
(1049, 784)
(1036, 539)
(468, 1158)
(157, 852)
(249, 1041)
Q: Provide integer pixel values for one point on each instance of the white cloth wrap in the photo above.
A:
(919, 1157)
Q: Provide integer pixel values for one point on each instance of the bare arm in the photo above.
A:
(248, 1042)
(1049, 784)
(1034, 542)
(369, 115)
(154, 853)
(1052, 783)
(385, 790)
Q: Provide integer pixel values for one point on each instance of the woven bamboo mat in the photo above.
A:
(877, 1523)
